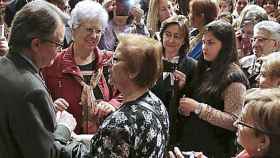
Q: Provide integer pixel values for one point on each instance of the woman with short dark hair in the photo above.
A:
(174, 38)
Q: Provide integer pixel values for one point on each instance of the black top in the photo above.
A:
(199, 135)
(170, 94)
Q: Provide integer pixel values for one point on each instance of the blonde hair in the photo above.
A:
(153, 16)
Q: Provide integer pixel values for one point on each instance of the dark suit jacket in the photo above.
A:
(27, 117)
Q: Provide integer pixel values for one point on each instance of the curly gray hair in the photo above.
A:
(88, 10)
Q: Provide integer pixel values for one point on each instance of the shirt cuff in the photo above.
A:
(62, 134)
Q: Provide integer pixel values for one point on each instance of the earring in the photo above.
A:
(259, 149)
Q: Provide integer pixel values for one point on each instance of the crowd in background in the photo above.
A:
(140, 78)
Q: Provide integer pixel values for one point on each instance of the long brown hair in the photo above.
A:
(225, 63)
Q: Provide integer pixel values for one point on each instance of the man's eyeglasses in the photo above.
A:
(238, 121)
(59, 46)
(261, 40)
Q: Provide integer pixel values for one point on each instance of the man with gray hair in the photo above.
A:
(250, 15)
(28, 126)
(266, 39)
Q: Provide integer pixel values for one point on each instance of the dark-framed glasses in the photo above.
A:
(169, 35)
(238, 122)
(261, 40)
(59, 46)
(115, 59)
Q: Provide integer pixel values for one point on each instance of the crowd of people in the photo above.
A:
(142, 78)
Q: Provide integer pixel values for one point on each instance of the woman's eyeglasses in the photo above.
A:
(169, 35)
(238, 121)
(261, 40)
(89, 30)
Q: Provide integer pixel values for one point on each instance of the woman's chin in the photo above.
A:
(91, 47)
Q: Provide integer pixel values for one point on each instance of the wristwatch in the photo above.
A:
(198, 110)
(140, 25)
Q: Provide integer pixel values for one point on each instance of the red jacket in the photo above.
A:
(61, 83)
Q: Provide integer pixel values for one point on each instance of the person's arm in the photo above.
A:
(234, 97)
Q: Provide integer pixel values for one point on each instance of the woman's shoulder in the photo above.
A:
(188, 60)
(187, 64)
(148, 107)
(235, 74)
(234, 69)
(134, 114)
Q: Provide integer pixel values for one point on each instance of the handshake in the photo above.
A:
(66, 119)
(96, 112)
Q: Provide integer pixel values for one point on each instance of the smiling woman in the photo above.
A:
(174, 38)
(77, 73)
(258, 132)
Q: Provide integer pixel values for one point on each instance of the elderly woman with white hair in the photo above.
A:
(266, 39)
(76, 78)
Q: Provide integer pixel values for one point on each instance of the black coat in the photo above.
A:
(170, 95)
(27, 116)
